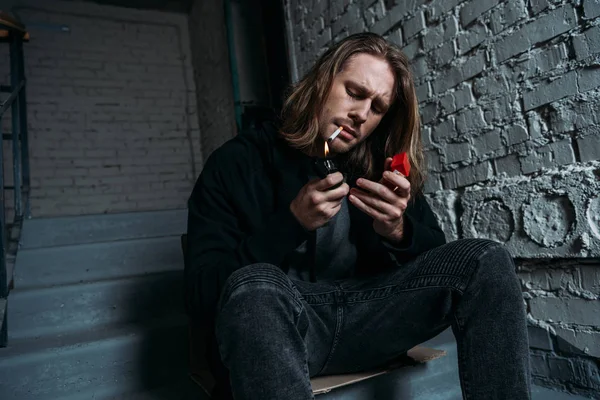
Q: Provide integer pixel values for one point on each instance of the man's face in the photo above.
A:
(359, 98)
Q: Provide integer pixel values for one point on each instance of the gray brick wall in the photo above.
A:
(112, 115)
(509, 92)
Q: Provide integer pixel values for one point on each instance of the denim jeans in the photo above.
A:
(275, 333)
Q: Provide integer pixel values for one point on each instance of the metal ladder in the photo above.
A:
(14, 33)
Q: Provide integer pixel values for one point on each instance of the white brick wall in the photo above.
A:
(111, 109)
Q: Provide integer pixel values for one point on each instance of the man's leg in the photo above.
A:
(468, 284)
(269, 338)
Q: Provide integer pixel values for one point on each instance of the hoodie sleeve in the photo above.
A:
(219, 242)
(422, 232)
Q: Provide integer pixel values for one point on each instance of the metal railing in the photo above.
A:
(13, 33)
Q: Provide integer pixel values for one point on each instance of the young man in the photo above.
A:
(300, 276)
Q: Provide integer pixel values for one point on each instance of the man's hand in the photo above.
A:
(385, 201)
(315, 205)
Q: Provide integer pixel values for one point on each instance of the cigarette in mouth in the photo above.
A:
(335, 134)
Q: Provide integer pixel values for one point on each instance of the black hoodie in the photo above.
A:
(239, 214)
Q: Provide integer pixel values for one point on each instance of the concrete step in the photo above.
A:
(50, 266)
(48, 232)
(101, 364)
(39, 312)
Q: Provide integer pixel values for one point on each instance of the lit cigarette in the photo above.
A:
(335, 134)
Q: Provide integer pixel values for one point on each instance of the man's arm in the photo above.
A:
(421, 231)
(217, 245)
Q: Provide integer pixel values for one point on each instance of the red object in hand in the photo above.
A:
(400, 163)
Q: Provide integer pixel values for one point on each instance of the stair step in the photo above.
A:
(125, 361)
(59, 231)
(39, 312)
(49, 266)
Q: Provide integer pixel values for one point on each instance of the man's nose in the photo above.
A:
(360, 111)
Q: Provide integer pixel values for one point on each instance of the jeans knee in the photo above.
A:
(256, 283)
(497, 258)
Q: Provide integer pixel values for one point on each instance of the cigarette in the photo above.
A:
(335, 134)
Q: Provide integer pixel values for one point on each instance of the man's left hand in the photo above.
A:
(385, 201)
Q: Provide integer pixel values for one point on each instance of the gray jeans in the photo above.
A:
(275, 333)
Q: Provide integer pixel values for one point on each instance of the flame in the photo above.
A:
(326, 149)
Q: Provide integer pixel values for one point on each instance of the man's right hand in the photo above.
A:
(315, 205)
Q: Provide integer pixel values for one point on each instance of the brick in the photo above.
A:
(414, 25)
(474, 9)
(549, 92)
(443, 55)
(561, 368)
(463, 97)
(395, 36)
(448, 79)
(591, 8)
(423, 91)
(508, 165)
(589, 147)
(590, 275)
(539, 338)
(444, 130)
(539, 365)
(537, 160)
(455, 152)
(587, 374)
(567, 310)
(473, 174)
(411, 49)
(471, 38)
(380, 27)
(429, 112)
(488, 142)
(586, 342)
(547, 60)
(433, 160)
(441, 7)
(490, 85)
(588, 79)
(562, 152)
(544, 28)
(447, 104)
(587, 43)
(467, 176)
(433, 38)
(538, 5)
(470, 120)
(516, 134)
(451, 28)
(420, 67)
(432, 184)
(473, 66)
(507, 15)
(499, 111)
(460, 73)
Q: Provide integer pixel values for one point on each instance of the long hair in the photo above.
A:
(399, 130)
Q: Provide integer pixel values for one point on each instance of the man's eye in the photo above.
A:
(377, 111)
(351, 94)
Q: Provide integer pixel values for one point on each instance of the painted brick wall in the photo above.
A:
(112, 108)
(509, 92)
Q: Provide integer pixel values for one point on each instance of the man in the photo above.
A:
(301, 275)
